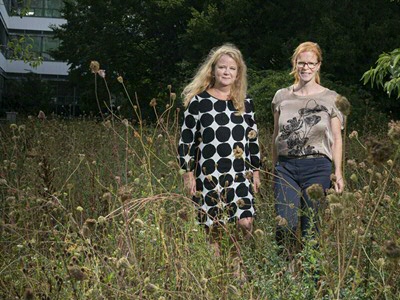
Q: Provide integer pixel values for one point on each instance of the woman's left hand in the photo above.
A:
(339, 184)
(256, 181)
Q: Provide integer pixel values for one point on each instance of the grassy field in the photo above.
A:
(95, 210)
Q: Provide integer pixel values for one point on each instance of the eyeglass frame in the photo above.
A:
(310, 65)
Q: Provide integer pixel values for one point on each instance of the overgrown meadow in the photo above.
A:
(95, 209)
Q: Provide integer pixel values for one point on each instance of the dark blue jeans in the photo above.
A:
(292, 178)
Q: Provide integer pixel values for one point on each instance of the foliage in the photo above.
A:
(21, 49)
(386, 73)
(94, 210)
(27, 94)
(156, 43)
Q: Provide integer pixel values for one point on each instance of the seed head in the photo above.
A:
(259, 233)
(378, 151)
(343, 105)
(353, 135)
(153, 102)
(29, 295)
(173, 96)
(102, 73)
(120, 79)
(394, 131)
(281, 221)
(123, 263)
(391, 249)
(101, 220)
(336, 209)
(315, 192)
(238, 152)
(94, 66)
(252, 134)
(77, 272)
(151, 287)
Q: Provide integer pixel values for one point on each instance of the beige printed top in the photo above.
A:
(305, 122)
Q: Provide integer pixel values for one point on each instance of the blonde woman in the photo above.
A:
(218, 147)
(307, 144)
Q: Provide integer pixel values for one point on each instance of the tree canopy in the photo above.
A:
(153, 43)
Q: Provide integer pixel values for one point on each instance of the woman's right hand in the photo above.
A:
(190, 182)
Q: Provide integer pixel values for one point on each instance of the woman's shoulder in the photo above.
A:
(282, 94)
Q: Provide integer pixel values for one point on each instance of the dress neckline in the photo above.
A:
(307, 96)
(225, 100)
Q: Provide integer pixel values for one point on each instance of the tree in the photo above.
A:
(386, 73)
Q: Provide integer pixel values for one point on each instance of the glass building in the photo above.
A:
(25, 35)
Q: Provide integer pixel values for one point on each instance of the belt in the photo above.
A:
(303, 156)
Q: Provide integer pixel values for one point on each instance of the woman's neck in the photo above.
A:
(308, 88)
(220, 92)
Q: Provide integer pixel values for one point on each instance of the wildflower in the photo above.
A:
(391, 249)
(173, 96)
(336, 209)
(343, 105)
(102, 73)
(238, 152)
(107, 196)
(120, 79)
(13, 166)
(390, 163)
(77, 273)
(125, 122)
(354, 177)
(123, 263)
(138, 222)
(378, 152)
(107, 124)
(352, 163)
(381, 262)
(396, 180)
(281, 221)
(13, 126)
(394, 131)
(353, 135)
(153, 102)
(240, 203)
(258, 233)
(203, 281)
(94, 66)
(315, 192)
(91, 223)
(252, 134)
(101, 220)
(21, 128)
(28, 294)
(182, 213)
(233, 289)
(79, 208)
(169, 87)
(151, 287)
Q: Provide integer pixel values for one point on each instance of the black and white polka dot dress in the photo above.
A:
(221, 147)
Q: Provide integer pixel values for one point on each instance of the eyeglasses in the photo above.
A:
(311, 65)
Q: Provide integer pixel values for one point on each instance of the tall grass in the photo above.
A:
(95, 210)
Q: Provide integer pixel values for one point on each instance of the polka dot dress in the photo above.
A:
(221, 147)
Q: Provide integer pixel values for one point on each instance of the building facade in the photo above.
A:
(28, 25)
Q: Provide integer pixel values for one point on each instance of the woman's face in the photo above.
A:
(225, 71)
(307, 66)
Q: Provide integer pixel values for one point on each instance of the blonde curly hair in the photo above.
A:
(204, 78)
